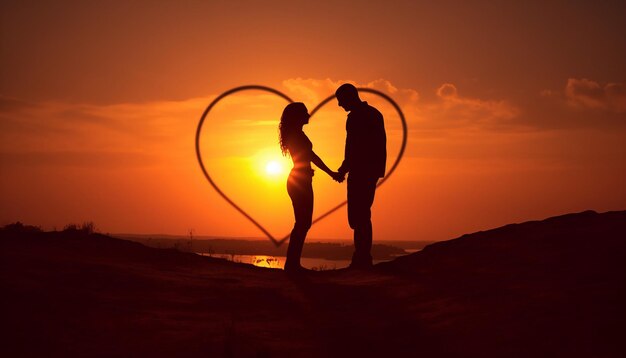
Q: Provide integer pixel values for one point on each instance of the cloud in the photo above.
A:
(454, 110)
(447, 90)
(404, 96)
(310, 90)
(449, 110)
(136, 120)
(83, 135)
(313, 91)
(585, 93)
(122, 135)
(77, 158)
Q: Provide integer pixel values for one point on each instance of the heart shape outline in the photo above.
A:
(278, 242)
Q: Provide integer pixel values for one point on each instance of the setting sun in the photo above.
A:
(270, 165)
(273, 167)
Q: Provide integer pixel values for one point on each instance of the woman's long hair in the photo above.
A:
(289, 123)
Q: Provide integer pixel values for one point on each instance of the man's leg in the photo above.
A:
(360, 198)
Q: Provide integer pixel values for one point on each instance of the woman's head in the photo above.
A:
(295, 115)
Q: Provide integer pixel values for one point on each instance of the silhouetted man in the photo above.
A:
(365, 159)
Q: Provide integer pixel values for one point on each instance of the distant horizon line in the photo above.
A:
(243, 238)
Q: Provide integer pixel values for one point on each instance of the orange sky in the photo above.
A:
(515, 112)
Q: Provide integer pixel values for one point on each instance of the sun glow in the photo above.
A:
(270, 165)
(273, 168)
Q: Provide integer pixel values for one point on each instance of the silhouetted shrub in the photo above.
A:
(86, 228)
(19, 227)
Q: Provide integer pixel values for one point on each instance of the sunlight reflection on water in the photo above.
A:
(266, 261)
(278, 262)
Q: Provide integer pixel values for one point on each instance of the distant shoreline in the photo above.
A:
(327, 249)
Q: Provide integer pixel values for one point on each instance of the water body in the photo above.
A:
(278, 262)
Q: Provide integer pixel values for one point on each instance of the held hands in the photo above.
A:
(338, 177)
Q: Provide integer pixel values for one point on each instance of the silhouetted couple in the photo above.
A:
(364, 162)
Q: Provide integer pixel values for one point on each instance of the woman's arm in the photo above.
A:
(320, 164)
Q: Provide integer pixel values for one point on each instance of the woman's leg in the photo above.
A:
(301, 194)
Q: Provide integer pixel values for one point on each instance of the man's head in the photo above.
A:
(348, 97)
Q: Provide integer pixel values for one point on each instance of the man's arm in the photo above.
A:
(345, 165)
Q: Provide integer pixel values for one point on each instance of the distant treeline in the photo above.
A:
(329, 251)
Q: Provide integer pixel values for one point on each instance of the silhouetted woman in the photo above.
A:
(297, 144)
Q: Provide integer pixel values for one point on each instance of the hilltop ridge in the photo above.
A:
(546, 288)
